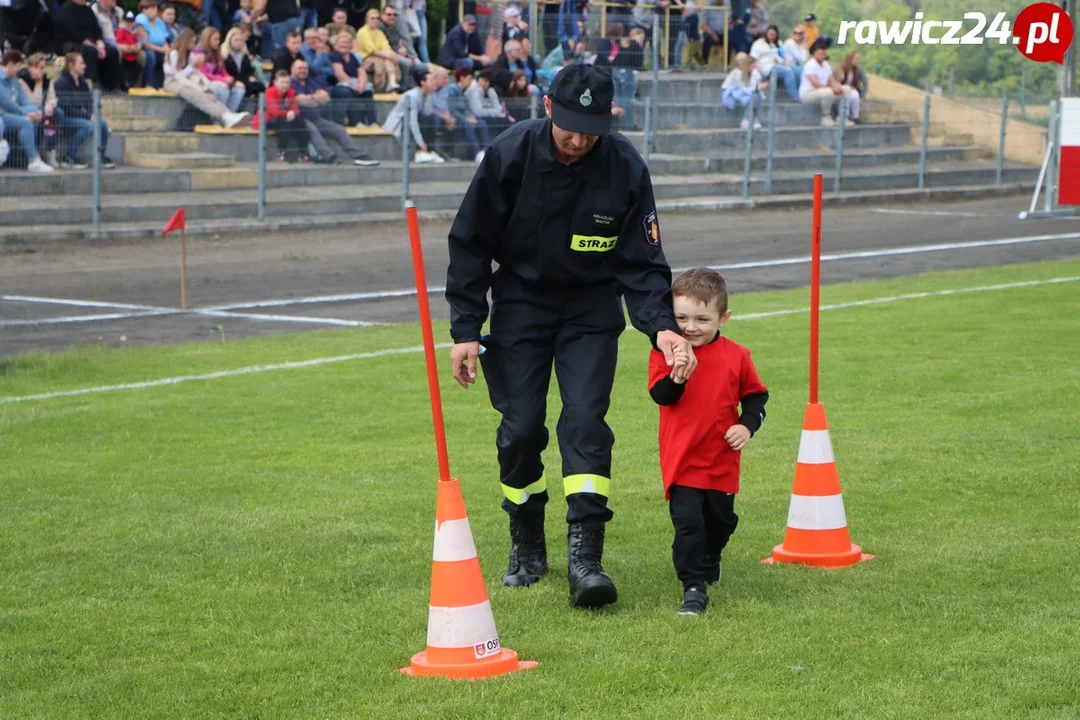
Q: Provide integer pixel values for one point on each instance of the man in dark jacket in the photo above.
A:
(463, 47)
(566, 209)
(515, 58)
(73, 97)
(77, 29)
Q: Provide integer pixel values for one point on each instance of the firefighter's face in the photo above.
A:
(572, 146)
(698, 321)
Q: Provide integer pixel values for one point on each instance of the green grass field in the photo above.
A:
(259, 546)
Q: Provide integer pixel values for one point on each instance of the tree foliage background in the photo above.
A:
(987, 69)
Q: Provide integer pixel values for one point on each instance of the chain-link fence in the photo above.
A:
(267, 152)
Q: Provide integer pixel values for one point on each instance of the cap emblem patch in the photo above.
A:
(586, 98)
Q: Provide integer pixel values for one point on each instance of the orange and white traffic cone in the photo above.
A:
(462, 642)
(817, 531)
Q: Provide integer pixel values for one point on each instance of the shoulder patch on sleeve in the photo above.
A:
(652, 228)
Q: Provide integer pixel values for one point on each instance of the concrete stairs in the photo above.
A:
(697, 161)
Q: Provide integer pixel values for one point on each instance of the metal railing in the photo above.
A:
(454, 135)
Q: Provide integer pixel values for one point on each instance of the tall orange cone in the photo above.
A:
(817, 531)
(462, 642)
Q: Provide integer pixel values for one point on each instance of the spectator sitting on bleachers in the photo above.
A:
(812, 31)
(419, 134)
(768, 55)
(310, 97)
(463, 47)
(340, 24)
(819, 85)
(132, 57)
(742, 87)
(74, 101)
(77, 29)
(282, 19)
(317, 57)
(155, 40)
(19, 115)
(245, 16)
(284, 56)
(407, 59)
(41, 92)
(625, 56)
(283, 117)
(852, 76)
(207, 57)
(758, 21)
(110, 18)
(515, 27)
(183, 78)
(173, 28)
(473, 128)
(238, 63)
(513, 60)
(795, 50)
(350, 90)
(484, 103)
(436, 110)
(379, 60)
(714, 21)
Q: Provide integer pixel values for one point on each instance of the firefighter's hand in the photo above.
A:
(737, 436)
(667, 342)
(463, 361)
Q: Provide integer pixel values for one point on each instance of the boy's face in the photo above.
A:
(282, 85)
(697, 321)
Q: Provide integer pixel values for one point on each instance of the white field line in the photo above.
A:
(250, 370)
(148, 311)
(801, 260)
(400, 351)
(78, 303)
(80, 318)
(934, 213)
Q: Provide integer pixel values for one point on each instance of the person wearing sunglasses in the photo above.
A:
(794, 49)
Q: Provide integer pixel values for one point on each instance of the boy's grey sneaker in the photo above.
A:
(364, 161)
(695, 600)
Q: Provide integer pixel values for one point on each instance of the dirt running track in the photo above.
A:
(232, 270)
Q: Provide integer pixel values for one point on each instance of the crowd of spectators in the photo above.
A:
(320, 73)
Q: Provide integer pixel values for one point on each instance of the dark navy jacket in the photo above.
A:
(558, 227)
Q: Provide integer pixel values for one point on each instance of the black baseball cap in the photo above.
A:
(581, 97)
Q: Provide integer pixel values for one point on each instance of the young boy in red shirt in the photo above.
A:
(702, 432)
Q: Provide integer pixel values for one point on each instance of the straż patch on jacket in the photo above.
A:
(652, 228)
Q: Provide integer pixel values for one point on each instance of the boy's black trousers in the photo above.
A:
(704, 521)
(579, 332)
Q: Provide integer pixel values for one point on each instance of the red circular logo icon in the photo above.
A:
(1043, 32)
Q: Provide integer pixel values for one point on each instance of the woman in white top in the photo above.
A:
(770, 57)
(795, 48)
(183, 78)
(742, 87)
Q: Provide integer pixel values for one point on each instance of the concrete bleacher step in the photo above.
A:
(712, 140)
(316, 201)
(805, 159)
(159, 142)
(136, 124)
(188, 160)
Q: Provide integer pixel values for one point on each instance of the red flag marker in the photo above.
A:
(176, 222)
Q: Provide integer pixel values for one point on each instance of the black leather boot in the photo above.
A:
(590, 586)
(528, 550)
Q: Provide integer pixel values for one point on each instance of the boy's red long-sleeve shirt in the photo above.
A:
(695, 416)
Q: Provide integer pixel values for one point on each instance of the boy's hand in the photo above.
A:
(737, 436)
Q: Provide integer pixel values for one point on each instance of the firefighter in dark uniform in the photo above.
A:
(566, 210)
